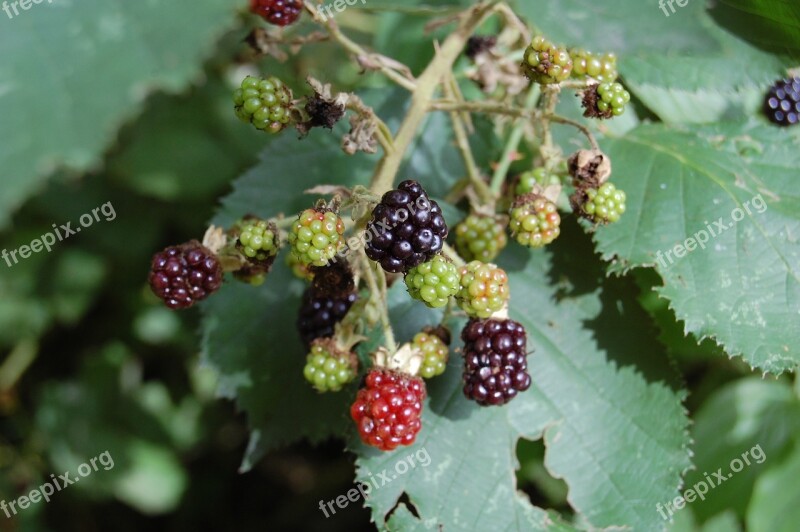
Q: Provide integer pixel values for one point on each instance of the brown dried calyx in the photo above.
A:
(478, 44)
(323, 109)
(589, 168)
(589, 100)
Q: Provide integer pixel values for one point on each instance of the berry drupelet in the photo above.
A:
(495, 365)
(407, 228)
(433, 282)
(319, 314)
(480, 237)
(183, 275)
(387, 409)
(782, 103)
(277, 12)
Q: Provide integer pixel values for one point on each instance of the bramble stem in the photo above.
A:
(480, 186)
(583, 129)
(453, 255)
(357, 50)
(420, 100)
(378, 294)
(512, 144)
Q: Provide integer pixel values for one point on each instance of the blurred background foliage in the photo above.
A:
(91, 361)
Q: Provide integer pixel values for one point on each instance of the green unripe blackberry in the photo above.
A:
(434, 352)
(534, 221)
(258, 240)
(316, 236)
(433, 282)
(605, 204)
(328, 368)
(484, 289)
(600, 67)
(480, 237)
(264, 102)
(538, 176)
(546, 63)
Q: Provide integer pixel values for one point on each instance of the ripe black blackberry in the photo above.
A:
(183, 275)
(278, 12)
(495, 367)
(326, 302)
(407, 228)
(318, 316)
(782, 103)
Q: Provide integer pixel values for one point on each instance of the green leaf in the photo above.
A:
(753, 416)
(742, 288)
(775, 505)
(770, 24)
(727, 82)
(73, 73)
(594, 415)
(620, 26)
(80, 420)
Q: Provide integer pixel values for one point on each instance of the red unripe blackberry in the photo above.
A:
(387, 409)
(495, 365)
(183, 275)
(782, 103)
(407, 228)
(278, 12)
(318, 316)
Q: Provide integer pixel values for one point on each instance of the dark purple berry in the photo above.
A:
(318, 316)
(183, 275)
(495, 365)
(278, 12)
(782, 103)
(407, 228)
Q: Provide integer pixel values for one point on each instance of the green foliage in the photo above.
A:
(645, 381)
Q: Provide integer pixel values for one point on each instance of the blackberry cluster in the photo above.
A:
(183, 275)
(316, 236)
(433, 282)
(484, 289)
(532, 178)
(480, 237)
(434, 352)
(600, 67)
(387, 409)
(277, 12)
(258, 240)
(326, 302)
(327, 368)
(546, 63)
(605, 204)
(265, 103)
(605, 100)
(407, 228)
(495, 365)
(534, 221)
(782, 103)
